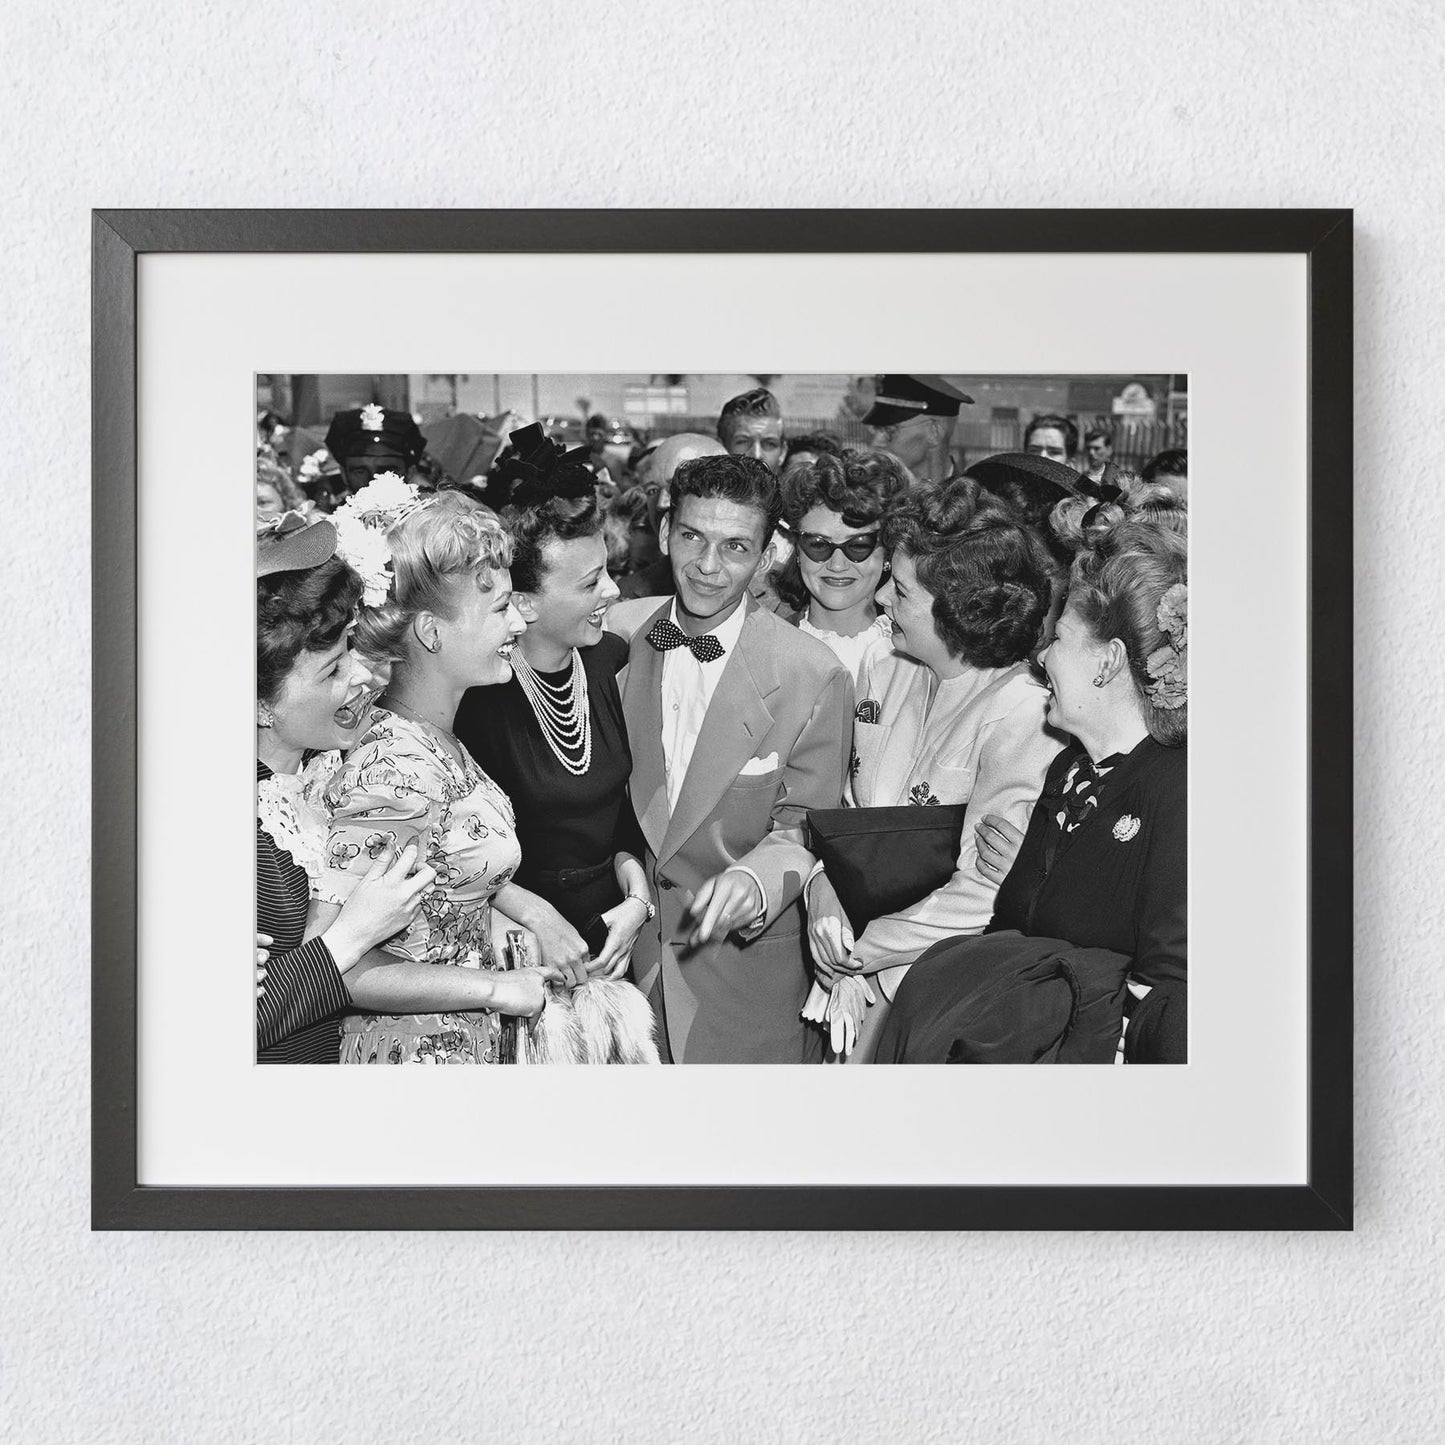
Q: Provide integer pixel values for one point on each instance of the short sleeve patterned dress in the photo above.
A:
(400, 784)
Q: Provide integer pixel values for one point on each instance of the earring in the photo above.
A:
(265, 718)
(434, 646)
(1100, 680)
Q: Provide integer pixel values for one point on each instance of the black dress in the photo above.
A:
(1112, 883)
(569, 827)
(297, 1021)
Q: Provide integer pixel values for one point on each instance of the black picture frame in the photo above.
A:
(120, 237)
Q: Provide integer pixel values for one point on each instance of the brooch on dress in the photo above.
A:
(869, 710)
(1126, 827)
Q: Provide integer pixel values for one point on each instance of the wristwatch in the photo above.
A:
(645, 902)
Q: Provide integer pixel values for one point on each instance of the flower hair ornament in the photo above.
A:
(314, 465)
(362, 523)
(1168, 666)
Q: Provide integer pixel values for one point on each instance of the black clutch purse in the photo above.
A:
(882, 859)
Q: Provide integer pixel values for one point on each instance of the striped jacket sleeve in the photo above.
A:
(303, 987)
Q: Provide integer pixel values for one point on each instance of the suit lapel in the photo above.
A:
(737, 718)
(642, 710)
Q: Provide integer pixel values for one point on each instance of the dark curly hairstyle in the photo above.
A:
(858, 485)
(744, 480)
(543, 520)
(988, 576)
(1050, 421)
(1116, 586)
(300, 612)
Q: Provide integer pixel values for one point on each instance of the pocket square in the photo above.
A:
(755, 767)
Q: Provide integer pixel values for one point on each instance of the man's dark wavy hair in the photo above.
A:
(744, 480)
(300, 612)
(988, 576)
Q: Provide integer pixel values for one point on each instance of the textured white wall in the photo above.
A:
(310, 1337)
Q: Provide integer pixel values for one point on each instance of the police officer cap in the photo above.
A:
(374, 427)
(900, 397)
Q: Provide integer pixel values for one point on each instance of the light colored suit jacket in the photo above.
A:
(774, 744)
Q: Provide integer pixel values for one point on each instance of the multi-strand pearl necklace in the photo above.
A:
(562, 712)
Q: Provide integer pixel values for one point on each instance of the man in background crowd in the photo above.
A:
(1099, 465)
(1172, 468)
(372, 439)
(914, 418)
(656, 580)
(751, 425)
(1055, 437)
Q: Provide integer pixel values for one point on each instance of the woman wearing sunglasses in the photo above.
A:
(953, 715)
(832, 513)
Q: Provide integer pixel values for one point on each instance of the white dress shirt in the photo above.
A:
(687, 689)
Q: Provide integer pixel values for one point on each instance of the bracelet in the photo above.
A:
(647, 903)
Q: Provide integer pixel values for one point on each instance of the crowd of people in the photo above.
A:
(733, 748)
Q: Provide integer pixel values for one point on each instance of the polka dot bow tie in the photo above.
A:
(666, 634)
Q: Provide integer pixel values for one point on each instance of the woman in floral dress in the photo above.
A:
(439, 606)
(952, 715)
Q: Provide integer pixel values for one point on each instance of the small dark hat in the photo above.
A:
(354, 431)
(900, 397)
(1011, 475)
(292, 542)
(535, 469)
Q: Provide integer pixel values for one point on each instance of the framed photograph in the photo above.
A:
(1223, 333)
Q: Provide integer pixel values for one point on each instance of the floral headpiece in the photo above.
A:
(362, 523)
(314, 465)
(1168, 666)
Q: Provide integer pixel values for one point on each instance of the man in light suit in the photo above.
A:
(739, 724)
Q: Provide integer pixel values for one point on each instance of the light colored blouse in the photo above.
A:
(980, 739)
(854, 653)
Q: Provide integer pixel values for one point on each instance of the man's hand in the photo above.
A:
(725, 902)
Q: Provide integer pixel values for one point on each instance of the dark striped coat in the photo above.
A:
(297, 1020)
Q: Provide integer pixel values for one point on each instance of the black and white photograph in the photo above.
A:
(712, 718)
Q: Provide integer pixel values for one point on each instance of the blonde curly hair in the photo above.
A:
(450, 541)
